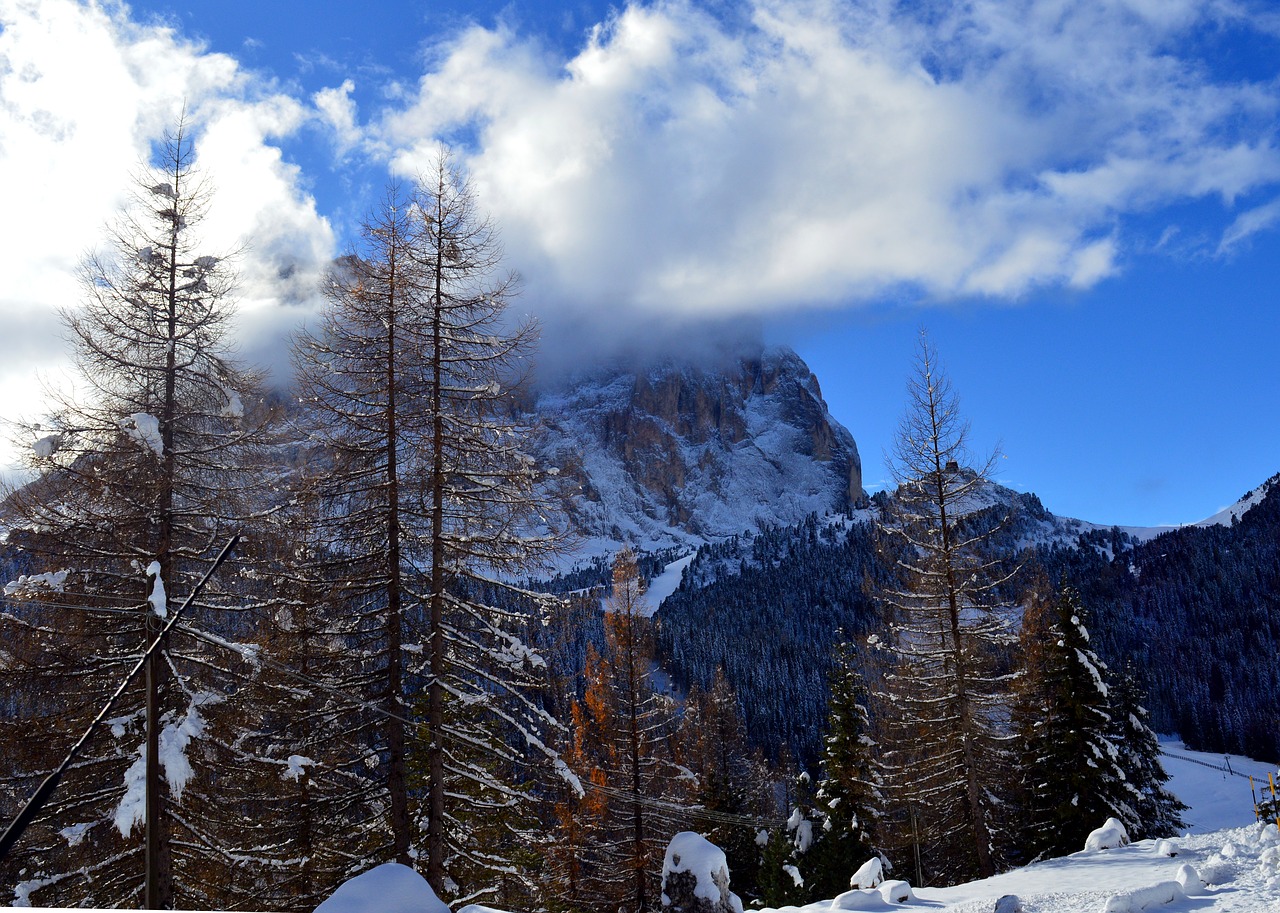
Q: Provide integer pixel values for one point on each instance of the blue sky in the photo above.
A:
(1080, 199)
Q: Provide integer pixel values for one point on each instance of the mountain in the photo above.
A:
(677, 454)
(743, 497)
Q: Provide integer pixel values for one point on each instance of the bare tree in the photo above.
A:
(945, 696)
(140, 475)
(431, 506)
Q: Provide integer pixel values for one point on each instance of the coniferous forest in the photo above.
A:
(394, 664)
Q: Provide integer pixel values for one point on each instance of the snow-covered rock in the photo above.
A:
(893, 891)
(388, 888)
(869, 875)
(1108, 837)
(1009, 903)
(695, 877)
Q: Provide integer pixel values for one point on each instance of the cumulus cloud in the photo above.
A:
(818, 153)
(85, 94)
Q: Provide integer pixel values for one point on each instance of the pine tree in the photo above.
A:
(145, 468)
(945, 698)
(725, 778)
(1070, 769)
(1156, 812)
(849, 795)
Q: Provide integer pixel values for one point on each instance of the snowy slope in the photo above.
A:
(1242, 860)
(1249, 500)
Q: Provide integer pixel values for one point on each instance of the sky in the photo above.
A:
(1079, 200)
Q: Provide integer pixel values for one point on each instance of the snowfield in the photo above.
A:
(1244, 863)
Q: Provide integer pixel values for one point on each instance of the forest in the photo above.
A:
(376, 674)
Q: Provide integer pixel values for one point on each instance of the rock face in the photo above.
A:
(675, 452)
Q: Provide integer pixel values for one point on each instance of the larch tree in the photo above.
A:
(430, 504)
(622, 739)
(945, 696)
(142, 472)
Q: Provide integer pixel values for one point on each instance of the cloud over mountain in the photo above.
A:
(781, 154)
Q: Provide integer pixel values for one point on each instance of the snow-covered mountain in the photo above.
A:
(679, 454)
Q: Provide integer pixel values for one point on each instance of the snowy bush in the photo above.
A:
(1109, 836)
(1165, 848)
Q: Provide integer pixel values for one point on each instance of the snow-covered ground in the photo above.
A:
(1236, 864)
(1223, 843)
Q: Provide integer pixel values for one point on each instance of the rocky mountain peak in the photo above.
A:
(678, 451)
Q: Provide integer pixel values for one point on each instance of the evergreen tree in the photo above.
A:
(849, 795)
(1072, 781)
(726, 780)
(1155, 811)
(945, 698)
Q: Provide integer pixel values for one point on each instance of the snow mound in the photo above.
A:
(388, 888)
(1108, 837)
(1137, 901)
(896, 892)
(870, 875)
(1189, 878)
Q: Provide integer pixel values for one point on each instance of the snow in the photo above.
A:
(1108, 837)
(666, 583)
(133, 805)
(1247, 502)
(145, 429)
(296, 767)
(176, 736)
(690, 852)
(1140, 899)
(53, 580)
(75, 833)
(870, 875)
(1215, 786)
(159, 603)
(46, 446)
(388, 888)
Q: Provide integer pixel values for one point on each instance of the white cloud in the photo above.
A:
(822, 152)
(84, 93)
(339, 110)
(1249, 223)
